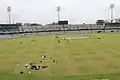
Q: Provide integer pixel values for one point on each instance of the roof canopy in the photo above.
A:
(10, 25)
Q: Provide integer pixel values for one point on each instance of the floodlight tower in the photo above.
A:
(58, 10)
(9, 11)
(111, 10)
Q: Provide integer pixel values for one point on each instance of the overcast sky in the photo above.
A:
(44, 11)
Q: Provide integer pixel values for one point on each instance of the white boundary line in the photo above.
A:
(75, 38)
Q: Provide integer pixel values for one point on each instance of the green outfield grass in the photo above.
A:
(86, 59)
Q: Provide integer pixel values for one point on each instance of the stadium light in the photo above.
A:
(111, 9)
(58, 10)
(9, 10)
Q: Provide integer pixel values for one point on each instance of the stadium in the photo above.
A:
(59, 52)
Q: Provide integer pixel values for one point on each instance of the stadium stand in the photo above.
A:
(24, 29)
(10, 27)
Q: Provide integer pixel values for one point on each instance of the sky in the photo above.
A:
(44, 11)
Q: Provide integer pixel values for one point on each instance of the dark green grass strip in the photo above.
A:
(5, 75)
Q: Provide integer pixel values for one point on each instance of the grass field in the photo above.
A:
(86, 59)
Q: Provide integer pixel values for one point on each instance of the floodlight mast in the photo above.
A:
(9, 11)
(58, 10)
(111, 9)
